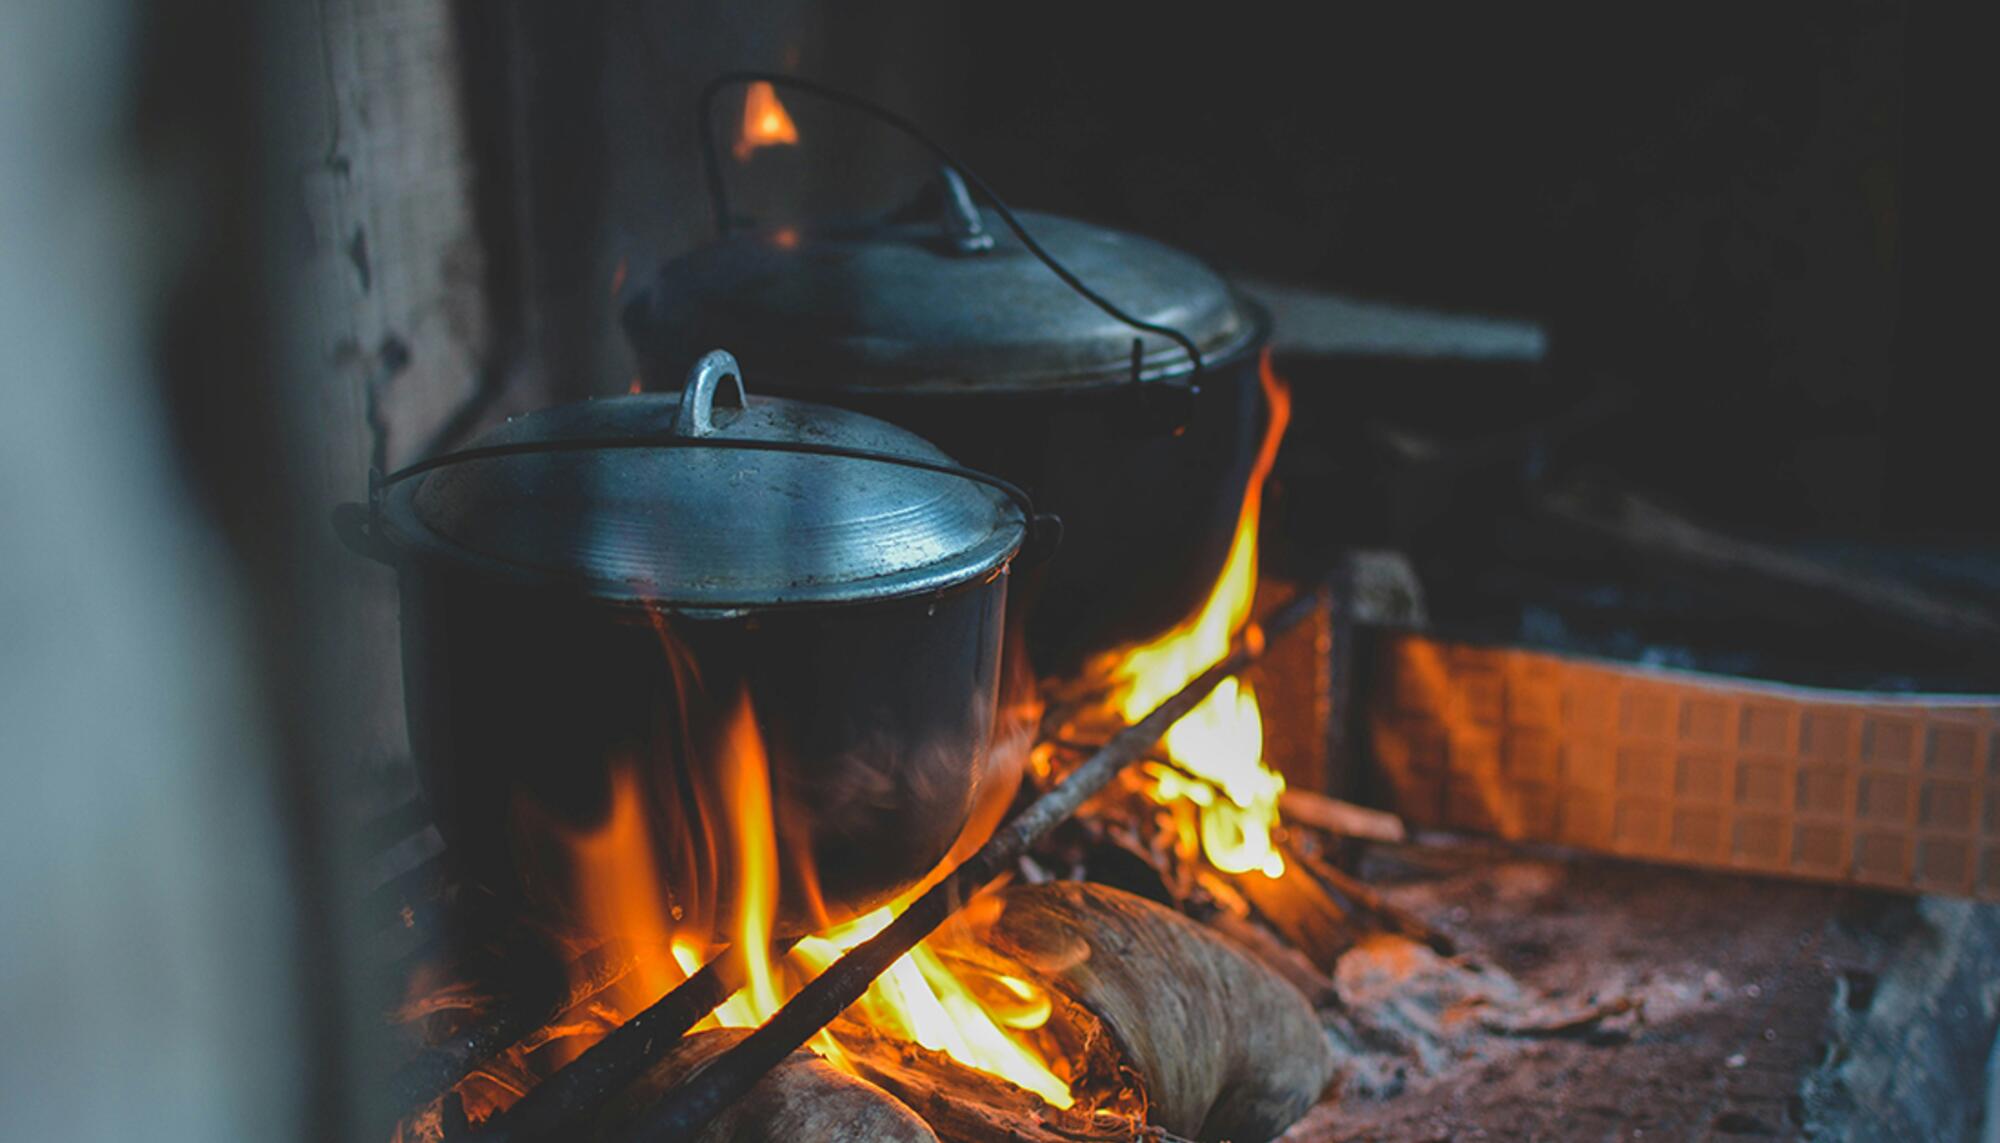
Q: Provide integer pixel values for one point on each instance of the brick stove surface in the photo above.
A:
(1886, 790)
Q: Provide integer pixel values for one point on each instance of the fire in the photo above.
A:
(766, 123)
(747, 778)
(619, 898)
(1217, 750)
(1213, 781)
(917, 999)
(920, 999)
(620, 906)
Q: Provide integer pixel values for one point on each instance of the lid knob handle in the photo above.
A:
(695, 417)
(962, 227)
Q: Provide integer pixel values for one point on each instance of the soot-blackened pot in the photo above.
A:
(635, 605)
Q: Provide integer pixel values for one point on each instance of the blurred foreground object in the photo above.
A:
(148, 935)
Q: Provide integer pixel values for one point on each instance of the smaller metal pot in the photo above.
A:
(591, 593)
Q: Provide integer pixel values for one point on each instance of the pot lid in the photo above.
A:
(703, 503)
(938, 304)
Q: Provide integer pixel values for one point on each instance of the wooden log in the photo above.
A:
(1272, 953)
(1223, 1047)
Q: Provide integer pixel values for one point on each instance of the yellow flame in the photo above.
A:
(1032, 1011)
(922, 999)
(755, 838)
(1218, 747)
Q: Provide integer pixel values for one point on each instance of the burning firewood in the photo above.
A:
(967, 1106)
(803, 1100)
(1223, 1047)
(1297, 908)
(693, 1103)
(1391, 915)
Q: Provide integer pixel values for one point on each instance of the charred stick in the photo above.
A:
(551, 1109)
(1300, 909)
(1365, 898)
(684, 1110)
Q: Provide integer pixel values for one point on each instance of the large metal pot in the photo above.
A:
(944, 322)
(592, 592)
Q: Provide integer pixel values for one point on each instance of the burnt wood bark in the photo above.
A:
(1300, 910)
(1365, 898)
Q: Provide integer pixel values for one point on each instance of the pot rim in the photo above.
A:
(431, 554)
(763, 508)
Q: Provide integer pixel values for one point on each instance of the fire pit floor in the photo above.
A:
(1751, 1008)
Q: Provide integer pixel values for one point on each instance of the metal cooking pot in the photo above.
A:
(1138, 430)
(593, 591)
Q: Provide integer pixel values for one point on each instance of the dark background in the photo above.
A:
(1754, 219)
(1721, 205)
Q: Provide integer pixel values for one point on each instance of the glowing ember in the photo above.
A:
(1218, 749)
(766, 123)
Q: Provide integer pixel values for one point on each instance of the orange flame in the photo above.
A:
(753, 829)
(617, 899)
(620, 905)
(766, 123)
(1218, 748)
